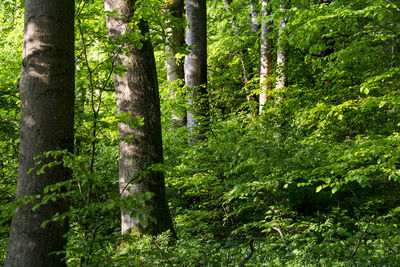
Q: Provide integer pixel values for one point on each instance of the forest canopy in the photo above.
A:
(205, 133)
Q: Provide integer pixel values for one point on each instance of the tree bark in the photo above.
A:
(137, 94)
(227, 3)
(281, 57)
(47, 124)
(255, 26)
(266, 57)
(196, 68)
(175, 41)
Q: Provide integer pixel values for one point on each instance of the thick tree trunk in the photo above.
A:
(266, 57)
(47, 124)
(255, 26)
(175, 40)
(137, 94)
(196, 67)
(281, 57)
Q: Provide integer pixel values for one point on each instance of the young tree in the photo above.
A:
(227, 3)
(281, 57)
(196, 66)
(266, 56)
(175, 40)
(47, 124)
(255, 26)
(137, 94)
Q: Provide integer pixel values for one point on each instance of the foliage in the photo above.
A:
(314, 181)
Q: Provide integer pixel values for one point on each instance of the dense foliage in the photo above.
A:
(313, 181)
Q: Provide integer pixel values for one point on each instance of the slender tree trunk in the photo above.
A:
(281, 57)
(137, 94)
(266, 57)
(175, 40)
(196, 67)
(255, 26)
(227, 3)
(47, 124)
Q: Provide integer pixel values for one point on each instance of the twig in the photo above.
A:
(358, 242)
(252, 249)
(279, 230)
(92, 239)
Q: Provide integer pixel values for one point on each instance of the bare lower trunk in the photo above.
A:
(140, 148)
(266, 58)
(47, 114)
(196, 67)
(281, 57)
(175, 40)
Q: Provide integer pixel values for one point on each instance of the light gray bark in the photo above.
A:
(266, 57)
(281, 57)
(47, 124)
(255, 25)
(175, 41)
(196, 66)
(137, 94)
(227, 3)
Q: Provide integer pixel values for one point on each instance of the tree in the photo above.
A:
(266, 56)
(137, 95)
(175, 41)
(47, 124)
(227, 3)
(196, 66)
(281, 57)
(255, 26)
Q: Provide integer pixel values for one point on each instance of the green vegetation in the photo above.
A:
(313, 181)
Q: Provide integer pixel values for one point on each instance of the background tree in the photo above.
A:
(282, 50)
(255, 25)
(266, 56)
(137, 95)
(174, 45)
(196, 66)
(47, 124)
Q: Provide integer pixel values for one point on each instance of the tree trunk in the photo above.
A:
(227, 3)
(196, 68)
(255, 26)
(281, 57)
(47, 124)
(137, 94)
(175, 40)
(266, 57)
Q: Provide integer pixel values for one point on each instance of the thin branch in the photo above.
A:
(279, 230)
(80, 11)
(252, 249)
(93, 237)
(358, 243)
